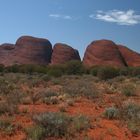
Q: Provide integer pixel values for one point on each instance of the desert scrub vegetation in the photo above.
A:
(129, 113)
(79, 87)
(61, 125)
(7, 108)
(35, 132)
(6, 87)
(111, 113)
(106, 73)
(108, 88)
(128, 89)
(45, 96)
(7, 127)
(49, 97)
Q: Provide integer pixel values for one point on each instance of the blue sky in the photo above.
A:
(75, 22)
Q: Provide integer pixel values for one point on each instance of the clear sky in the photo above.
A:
(75, 22)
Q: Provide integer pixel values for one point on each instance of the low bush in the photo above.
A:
(134, 127)
(51, 100)
(6, 87)
(55, 124)
(35, 132)
(74, 68)
(81, 122)
(80, 87)
(105, 73)
(7, 127)
(128, 90)
(131, 113)
(111, 113)
(8, 108)
(94, 70)
(61, 125)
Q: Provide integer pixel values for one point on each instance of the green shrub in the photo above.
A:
(111, 113)
(51, 100)
(106, 73)
(94, 70)
(7, 127)
(81, 88)
(55, 124)
(13, 68)
(131, 114)
(35, 132)
(55, 72)
(130, 71)
(74, 67)
(6, 87)
(81, 122)
(46, 78)
(136, 71)
(1, 68)
(6, 107)
(128, 90)
(134, 126)
(61, 125)
(131, 111)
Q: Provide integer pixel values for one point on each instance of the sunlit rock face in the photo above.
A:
(103, 52)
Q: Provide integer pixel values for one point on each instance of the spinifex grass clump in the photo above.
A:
(80, 87)
(130, 113)
(129, 89)
(7, 127)
(61, 125)
(111, 113)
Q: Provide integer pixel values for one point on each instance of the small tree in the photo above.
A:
(107, 72)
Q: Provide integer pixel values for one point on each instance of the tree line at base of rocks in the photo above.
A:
(73, 68)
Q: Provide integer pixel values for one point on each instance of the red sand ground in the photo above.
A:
(102, 129)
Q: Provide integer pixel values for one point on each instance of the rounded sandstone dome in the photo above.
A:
(103, 52)
(63, 53)
(32, 50)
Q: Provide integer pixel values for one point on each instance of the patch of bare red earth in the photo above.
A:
(102, 129)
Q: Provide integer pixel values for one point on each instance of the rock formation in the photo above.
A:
(27, 50)
(5, 51)
(63, 53)
(31, 50)
(103, 52)
(131, 58)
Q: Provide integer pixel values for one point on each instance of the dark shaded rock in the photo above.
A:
(63, 53)
(31, 50)
(131, 57)
(7, 46)
(5, 51)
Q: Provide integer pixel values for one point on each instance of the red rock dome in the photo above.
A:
(63, 53)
